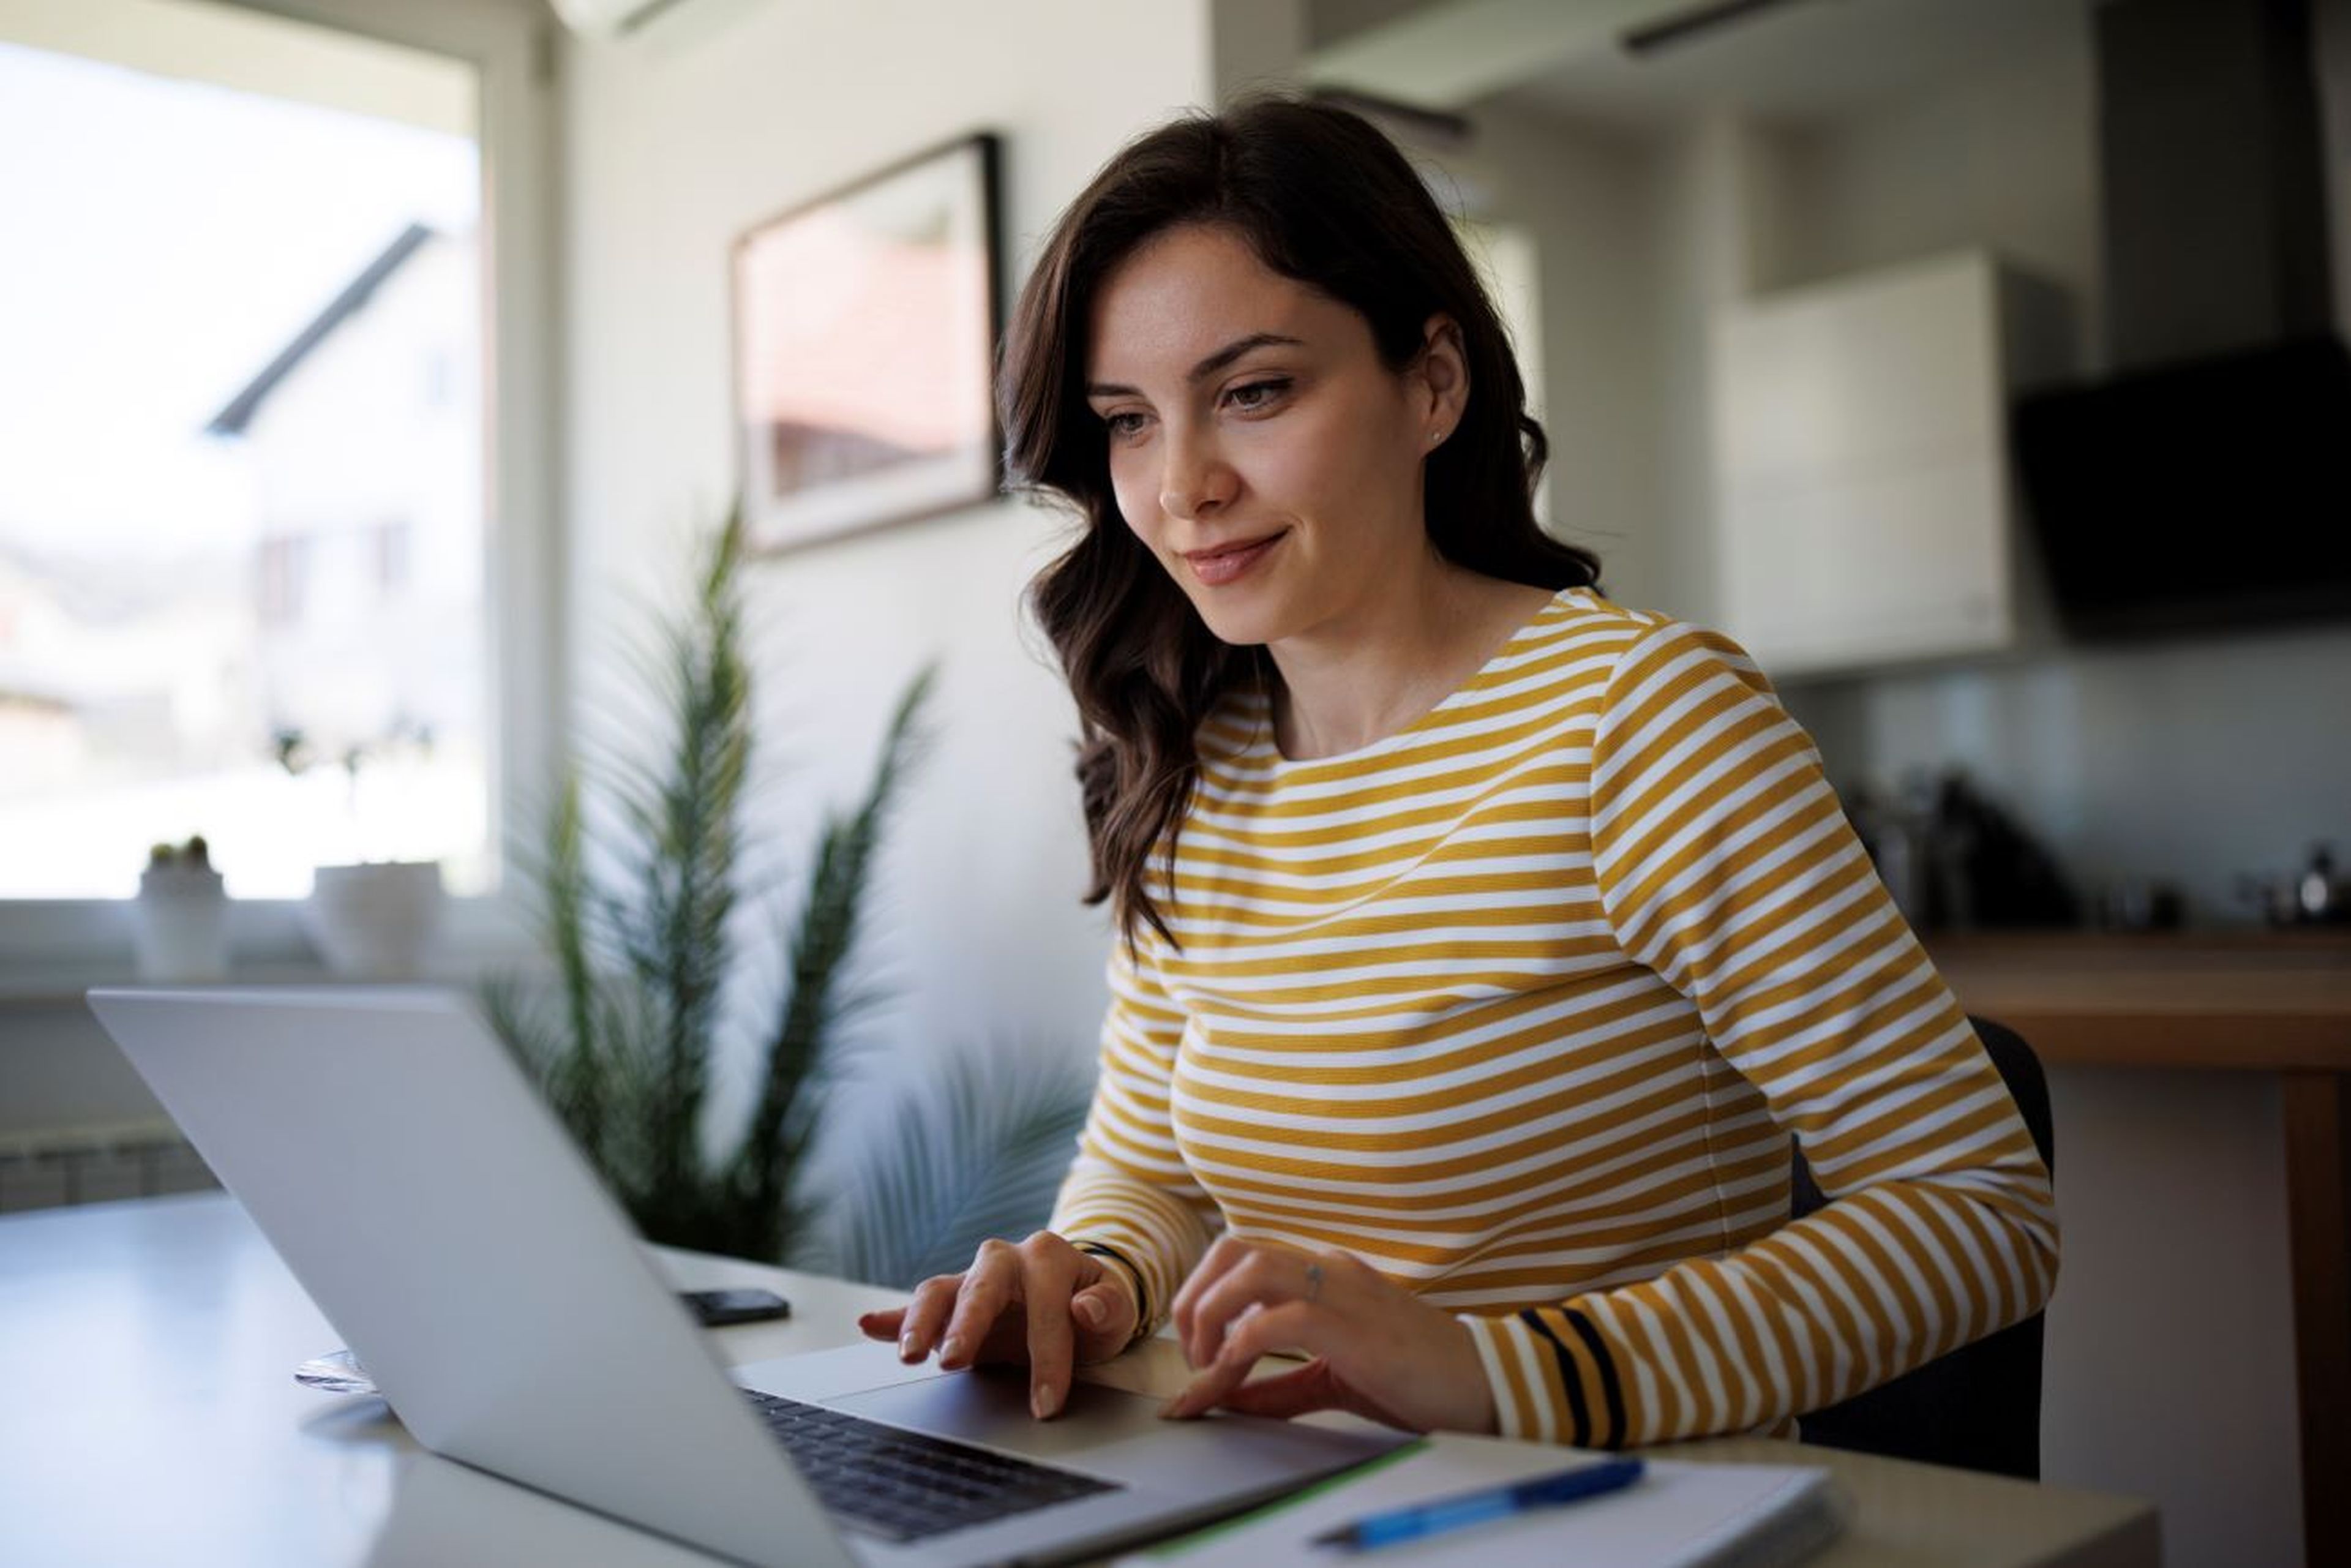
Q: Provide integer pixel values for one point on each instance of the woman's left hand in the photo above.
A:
(1378, 1350)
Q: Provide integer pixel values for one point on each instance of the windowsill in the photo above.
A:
(53, 952)
(71, 989)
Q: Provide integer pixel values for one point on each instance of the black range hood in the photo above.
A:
(2210, 494)
(2206, 480)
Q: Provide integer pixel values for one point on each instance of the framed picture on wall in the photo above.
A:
(865, 326)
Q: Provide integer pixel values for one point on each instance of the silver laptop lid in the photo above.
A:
(412, 1179)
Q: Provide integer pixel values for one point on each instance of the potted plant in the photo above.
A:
(372, 919)
(181, 931)
(641, 878)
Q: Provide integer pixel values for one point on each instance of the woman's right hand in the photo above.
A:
(1041, 1301)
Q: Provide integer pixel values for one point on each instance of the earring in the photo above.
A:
(1435, 437)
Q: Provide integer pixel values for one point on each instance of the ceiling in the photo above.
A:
(1795, 61)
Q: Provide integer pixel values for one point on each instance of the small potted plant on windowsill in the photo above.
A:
(372, 919)
(181, 927)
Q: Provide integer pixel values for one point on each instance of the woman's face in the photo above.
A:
(1258, 446)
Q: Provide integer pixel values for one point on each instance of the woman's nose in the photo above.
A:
(1196, 479)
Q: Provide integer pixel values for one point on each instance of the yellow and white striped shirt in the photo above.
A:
(1522, 1004)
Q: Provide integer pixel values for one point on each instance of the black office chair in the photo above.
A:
(1978, 1407)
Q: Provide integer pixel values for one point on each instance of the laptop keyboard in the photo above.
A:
(905, 1486)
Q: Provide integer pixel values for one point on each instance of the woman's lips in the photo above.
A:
(1222, 565)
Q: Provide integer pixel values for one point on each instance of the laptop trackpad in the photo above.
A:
(1114, 1434)
(989, 1405)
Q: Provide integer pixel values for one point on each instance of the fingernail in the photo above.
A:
(1042, 1403)
(1174, 1409)
(906, 1351)
(1089, 1311)
(951, 1351)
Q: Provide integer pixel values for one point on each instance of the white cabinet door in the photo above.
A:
(1861, 476)
(1869, 569)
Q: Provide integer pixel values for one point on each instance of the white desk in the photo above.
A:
(147, 1415)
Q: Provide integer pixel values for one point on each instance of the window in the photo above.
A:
(282, 566)
(390, 559)
(248, 490)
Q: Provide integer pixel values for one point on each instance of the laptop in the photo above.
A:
(410, 1178)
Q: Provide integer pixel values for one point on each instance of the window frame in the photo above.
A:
(49, 945)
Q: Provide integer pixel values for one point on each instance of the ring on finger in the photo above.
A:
(1313, 1280)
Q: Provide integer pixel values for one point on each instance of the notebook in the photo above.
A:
(1679, 1514)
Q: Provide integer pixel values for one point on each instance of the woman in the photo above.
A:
(1482, 942)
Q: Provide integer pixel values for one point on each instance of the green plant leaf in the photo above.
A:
(822, 939)
(970, 1145)
(637, 877)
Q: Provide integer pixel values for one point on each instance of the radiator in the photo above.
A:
(50, 1168)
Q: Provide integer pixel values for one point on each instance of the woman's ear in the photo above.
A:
(1443, 369)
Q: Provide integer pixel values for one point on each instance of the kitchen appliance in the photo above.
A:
(2200, 480)
(2318, 895)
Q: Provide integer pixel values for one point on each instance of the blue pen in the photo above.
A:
(1477, 1507)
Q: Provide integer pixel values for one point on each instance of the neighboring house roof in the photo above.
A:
(23, 699)
(233, 419)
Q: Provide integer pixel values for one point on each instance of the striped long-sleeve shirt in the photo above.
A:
(1521, 1006)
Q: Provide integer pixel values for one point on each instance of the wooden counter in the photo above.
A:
(2265, 1002)
(2255, 1003)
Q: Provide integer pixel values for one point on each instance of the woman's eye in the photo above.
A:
(1256, 395)
(1252, 397)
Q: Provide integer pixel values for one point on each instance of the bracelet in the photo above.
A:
(1143, 1324)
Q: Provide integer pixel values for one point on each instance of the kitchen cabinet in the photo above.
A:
(1865, 512)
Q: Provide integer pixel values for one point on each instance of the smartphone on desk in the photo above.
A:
(716, 1309)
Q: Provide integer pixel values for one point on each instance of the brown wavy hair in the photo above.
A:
(1324, 198)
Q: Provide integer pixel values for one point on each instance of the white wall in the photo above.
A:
(1640, 237)
(678, 143)
(1713, 181)
(2005, 154)
(1581, 196)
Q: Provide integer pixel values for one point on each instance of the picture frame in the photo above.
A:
(865, 324)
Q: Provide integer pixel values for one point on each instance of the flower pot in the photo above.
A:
(180, 928)
(375, 921)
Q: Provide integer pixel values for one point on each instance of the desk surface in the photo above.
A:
(147, 1415)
